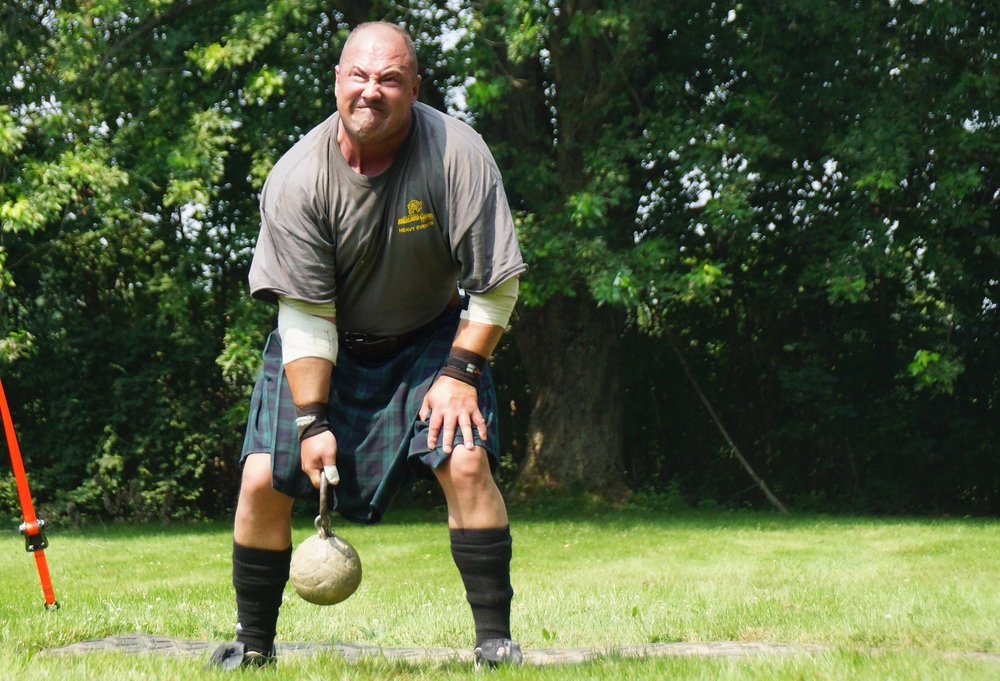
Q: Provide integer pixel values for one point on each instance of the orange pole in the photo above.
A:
(32, 528)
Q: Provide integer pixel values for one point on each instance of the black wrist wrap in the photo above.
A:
(311, 419)
(464, 366)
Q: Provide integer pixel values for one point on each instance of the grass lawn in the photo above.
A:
(877, 598)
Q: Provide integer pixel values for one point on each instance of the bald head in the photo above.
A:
(383, 30)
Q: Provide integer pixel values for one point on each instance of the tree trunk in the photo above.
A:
(573, 355)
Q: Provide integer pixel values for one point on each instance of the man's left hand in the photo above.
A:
(452, 405)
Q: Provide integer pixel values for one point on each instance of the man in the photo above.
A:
(370, 226)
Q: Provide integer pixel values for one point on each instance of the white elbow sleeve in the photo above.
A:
(494, 307)
(305, 332)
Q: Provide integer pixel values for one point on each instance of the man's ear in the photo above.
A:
(336, 79)
(416, 90)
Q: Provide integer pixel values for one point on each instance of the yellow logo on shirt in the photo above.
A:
(416, 219)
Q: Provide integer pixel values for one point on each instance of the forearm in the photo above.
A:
(476, 337)
(485, 319)
(309, 349)
(309, 380)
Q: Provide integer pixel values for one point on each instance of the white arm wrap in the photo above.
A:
(494, 307)
(305, 332)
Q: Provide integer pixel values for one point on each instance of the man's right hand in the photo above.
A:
(317, 452)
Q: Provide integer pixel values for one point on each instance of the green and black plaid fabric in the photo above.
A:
(374, 405)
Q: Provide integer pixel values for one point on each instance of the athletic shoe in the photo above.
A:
(495, 652)
(231, 656)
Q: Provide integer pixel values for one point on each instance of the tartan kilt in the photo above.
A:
(374, 405)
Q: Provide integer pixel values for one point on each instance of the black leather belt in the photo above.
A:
(368, 347)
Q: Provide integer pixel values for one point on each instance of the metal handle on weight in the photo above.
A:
(322, 521)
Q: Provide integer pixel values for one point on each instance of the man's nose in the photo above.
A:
(373, 89)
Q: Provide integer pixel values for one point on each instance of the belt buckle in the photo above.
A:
(350, 338)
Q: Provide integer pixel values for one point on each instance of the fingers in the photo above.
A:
(467, 422)
(448, 434)
(332, 474)
(443, 429)
(433, 428)
(480, 422)
(452, 408)
(319, 457)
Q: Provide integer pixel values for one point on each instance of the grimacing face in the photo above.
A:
(376, 85)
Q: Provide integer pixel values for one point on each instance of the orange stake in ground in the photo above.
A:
(32, 528)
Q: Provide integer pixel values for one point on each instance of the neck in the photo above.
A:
(370, 159)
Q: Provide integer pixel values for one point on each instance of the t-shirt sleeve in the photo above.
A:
(484, 241)
(295, 254)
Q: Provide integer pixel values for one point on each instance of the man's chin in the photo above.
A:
(367, 128)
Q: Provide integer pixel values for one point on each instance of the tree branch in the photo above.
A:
(718, 424)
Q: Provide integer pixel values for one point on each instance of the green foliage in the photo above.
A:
(932, 370)
(802, 195)
(132, 141)
(805, 195)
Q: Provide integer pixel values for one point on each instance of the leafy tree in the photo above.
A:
(800, 198)
(804, 193)
(134, 138)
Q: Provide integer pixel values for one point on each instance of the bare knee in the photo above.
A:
(263, 514)
(474, 501)
(467, 474)
(469, 469)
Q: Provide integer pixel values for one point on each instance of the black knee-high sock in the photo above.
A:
(483, 560)
(259, 577)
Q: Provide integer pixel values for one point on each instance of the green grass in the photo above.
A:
(884, 598)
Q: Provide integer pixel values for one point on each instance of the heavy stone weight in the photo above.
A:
(325, 569)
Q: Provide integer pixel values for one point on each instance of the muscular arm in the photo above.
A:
(309, 380)
(477, 337)
(309, 347)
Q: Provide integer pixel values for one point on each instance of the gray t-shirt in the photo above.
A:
(391, 249)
